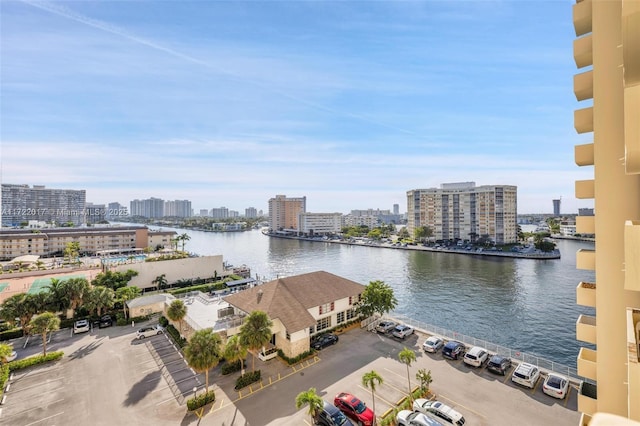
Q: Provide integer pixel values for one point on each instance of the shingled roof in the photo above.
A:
(288, 299)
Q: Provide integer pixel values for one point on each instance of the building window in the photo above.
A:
(312, 329)
(323, 324)
(351, 314)
(288, 336)
(340, 317)
(327, 307)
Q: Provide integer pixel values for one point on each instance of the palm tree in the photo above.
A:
(101, 298)
(18, 306)
(77, 290)
(123, 294)
(43, 324)
(5, 351)
(255, 333)
(312, 398)
(58, 295)
(425, 379)
(203, 352)
(407, 356)
(184, 238)
(370, 380)
(176, 312)
(160, 281)
(234, 351)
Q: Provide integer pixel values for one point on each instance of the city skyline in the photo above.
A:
(350, 104)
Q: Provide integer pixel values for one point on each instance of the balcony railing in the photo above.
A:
(586, 329)
(587, 359)
(586, 294)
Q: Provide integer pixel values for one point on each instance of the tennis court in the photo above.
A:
(40, 284)
(3, 286)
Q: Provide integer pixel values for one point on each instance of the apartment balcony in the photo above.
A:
(586, 259)
(587, 399)
(586, 294)
(585, 189)
(586, 329)
(586, 224)
(631, 127)
(587, 361)
(632, 255)
(583, 154)
(583, 85)
(631, 42)
(583, 120)
(583, 51)
(582, 17)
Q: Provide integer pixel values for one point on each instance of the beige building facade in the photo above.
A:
(283, 212)
(319, 223)
(607, 54)
(465, 211)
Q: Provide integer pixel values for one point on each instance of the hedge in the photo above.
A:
(201, 400)
(247, 379)
(298, 358)
(10, 334)
(163, 321)
(24, 363)
(205, 288)
(232, 367)
(180, 341)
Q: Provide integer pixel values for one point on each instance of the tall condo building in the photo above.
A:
(556, 208)
(465, 211)
(21, 203)
(220, 213)
(283, 212)
(177, 208)
(250, 212)
(607, 52)
(151, 207)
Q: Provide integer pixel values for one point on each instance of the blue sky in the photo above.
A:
(350, 103)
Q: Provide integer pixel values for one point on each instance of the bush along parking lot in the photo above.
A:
(389, 418)
(201, 400)
(298, 358)
(247, 379)
(5, 369)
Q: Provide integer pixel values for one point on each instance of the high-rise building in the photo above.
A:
(95, 213)
(116, 210)
(151, 208)
(283, 212)
(220, 213)
(556, 208)
(607, 51)
(465, 211)
(396, 209)
(319, 223)
(177, 208)
(585, 212)
(250, 212)
(21, 203)
(204, 212)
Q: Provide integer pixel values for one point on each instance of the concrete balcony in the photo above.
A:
(583, 154)
(586, 294)
(586, 259)
(583, 85)
(587, 359)
(586, 329)
(588, 398)
(586, 224)
(585, 189)
(583, 51)
(631, 42)
(632, 128)
(583, 120)
(632, 255)
(582, 17)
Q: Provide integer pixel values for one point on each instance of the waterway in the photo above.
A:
(527, 305)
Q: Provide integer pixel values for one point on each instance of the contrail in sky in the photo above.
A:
(70, 14)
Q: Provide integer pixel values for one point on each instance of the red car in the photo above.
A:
(354, 408)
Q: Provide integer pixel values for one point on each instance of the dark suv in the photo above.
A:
(453, 350)
(331, 416)
(105, 321)
(499, 364)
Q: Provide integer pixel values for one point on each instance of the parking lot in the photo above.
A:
(107, 376)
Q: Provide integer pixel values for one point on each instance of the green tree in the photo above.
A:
(310, 397)
(377, 297)
(77, 290)
(176, 312)
(160, 281)
(407, 356)
(422, 232)
(235, 351)
(43, 324)
(123, 294)
(183, 239)
(19, 306)
(375, 234)
(5, 351)
(72, 251)
(114, 280)
(203, 352)
(100, 298)
(58, 297)
(403, 233)
(425, 379)
(370, 380)
(255, 333)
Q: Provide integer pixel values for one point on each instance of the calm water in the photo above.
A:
(528, 305)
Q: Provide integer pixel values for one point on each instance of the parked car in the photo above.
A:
(415, 418)
(556, 386)
(476, 356)
(526, 375)
(105, 321)
(354, 408)
(499, 364)
(402, 331)
(331, 416)
(453, 350)
(81, 326)
(440, 410)
(324, 340)
(12, 356)
(385, 326)
(432, 344)
(149, 331)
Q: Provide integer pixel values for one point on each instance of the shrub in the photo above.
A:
(298, 358)
(247, 379)
(34, 360)
(4, 376)
(140, 319)
(163, 321)
(121, 321)
(231, 367)
(175, 335)
(201, 400)
(11, 334)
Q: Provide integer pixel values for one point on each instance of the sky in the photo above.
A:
(349, 103)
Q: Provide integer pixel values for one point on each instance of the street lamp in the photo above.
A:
(195, 389)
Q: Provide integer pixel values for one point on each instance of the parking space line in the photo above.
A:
(393, 372)
(566, 398)
(46, 418)
(378, 397)
(506, 377)
(398, 389)
(34, 373)
(535, 385)
(36, 385)
(457, 404)
(34, 408)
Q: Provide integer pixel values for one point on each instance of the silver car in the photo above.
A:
(402, 331)
(149, 331)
